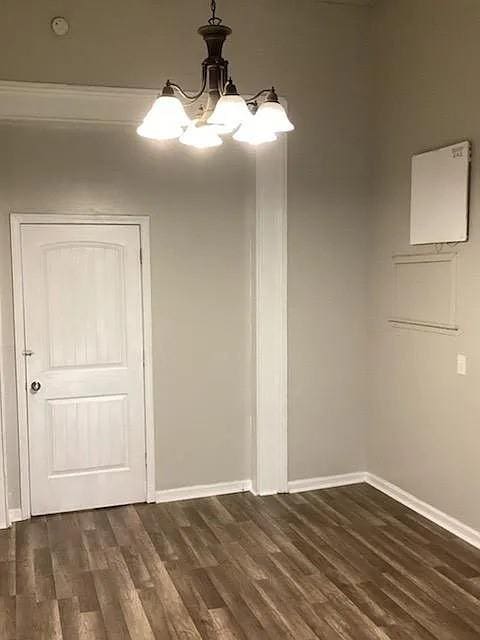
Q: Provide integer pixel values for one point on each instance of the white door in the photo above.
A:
(85, 389)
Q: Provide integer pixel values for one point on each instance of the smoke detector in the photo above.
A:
(60, 26)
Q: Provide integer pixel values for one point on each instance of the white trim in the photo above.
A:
(461, 530)
(203, 491)
(326, 482)
(270, 468)
(15, 515)
(16, 220)
(148, 360)
(20, 370)
(40, 102)
(4, 514)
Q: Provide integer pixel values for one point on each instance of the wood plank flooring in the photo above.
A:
(338, 564)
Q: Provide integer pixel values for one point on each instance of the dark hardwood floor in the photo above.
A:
(346, 563)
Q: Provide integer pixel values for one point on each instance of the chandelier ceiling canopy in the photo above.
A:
(220, 109)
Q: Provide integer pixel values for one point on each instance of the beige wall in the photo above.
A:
(317, 55)
(424, 432)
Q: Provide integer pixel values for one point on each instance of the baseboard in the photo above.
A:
(326, 482)
(183, 493)
(203, 491)
(463, 531)
(15, 515)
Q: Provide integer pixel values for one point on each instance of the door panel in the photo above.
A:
(92, 338)
(87, 434)
(83, 322)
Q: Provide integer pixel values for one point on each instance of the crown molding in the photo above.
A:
(68, 103)
(35, 101)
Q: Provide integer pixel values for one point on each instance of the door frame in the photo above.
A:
(4, 513)
(143, 223)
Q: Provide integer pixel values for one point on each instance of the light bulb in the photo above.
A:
(201, 137)
(273, 116)
(165, 119)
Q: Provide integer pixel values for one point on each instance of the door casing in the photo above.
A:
(143, 223)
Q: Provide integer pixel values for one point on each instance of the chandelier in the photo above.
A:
(219, 108)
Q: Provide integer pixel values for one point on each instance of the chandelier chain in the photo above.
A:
(214, 20)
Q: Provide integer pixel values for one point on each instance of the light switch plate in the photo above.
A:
(461, 364)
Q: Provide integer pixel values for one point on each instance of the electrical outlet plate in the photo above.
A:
(461, 364)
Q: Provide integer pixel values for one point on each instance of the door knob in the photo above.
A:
(35, 386)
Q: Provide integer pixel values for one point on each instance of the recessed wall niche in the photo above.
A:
(424, 295)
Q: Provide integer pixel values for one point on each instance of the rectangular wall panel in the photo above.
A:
(425, 291)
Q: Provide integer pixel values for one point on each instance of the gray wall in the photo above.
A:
(317, 55)
(201, 263)
(424, 431)
(328, 175)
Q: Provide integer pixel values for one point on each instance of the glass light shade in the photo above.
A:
(201, 137)
(254, 132)
(159, 132)
(222, 129)
(273, 116)
(165, 119)
(230, 111)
